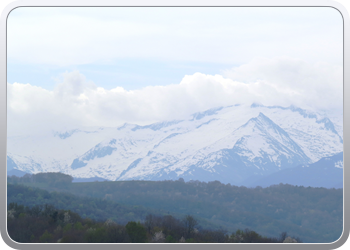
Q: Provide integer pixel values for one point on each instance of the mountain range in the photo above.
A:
(327, 172)
(237, 144)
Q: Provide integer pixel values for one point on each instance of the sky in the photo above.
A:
(70, 67)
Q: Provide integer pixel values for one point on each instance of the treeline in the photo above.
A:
(57, 180)
(46, 224)
(315, 214)
(93, 208)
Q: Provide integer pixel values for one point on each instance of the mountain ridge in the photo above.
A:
(238, 140)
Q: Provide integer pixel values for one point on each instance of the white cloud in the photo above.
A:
(78, 102)
(285, 80)
(75, 36)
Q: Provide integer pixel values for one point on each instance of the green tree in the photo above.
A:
(170, 239)
(46, 237)
(136, 232)
(96, 235)
(78, 226)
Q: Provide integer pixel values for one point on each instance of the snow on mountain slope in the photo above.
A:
(237, 141)
(53, 151)
(257, 147)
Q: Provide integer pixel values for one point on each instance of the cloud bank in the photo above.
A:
(78, 102)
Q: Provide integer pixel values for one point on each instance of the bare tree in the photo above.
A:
(149, 222)
(283, 236)
(190, 223)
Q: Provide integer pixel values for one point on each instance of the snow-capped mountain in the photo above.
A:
(230, 144)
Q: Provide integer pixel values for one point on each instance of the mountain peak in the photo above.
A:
(200, 115)
(256, 105)
(262, 120)
(263, 124)
(262, 116)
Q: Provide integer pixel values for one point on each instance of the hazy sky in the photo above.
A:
(77, 66)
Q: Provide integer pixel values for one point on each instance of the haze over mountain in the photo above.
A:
(327, 172)
(234, 144)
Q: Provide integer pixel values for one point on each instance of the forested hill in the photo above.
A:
(47, 224)
(312, 214)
